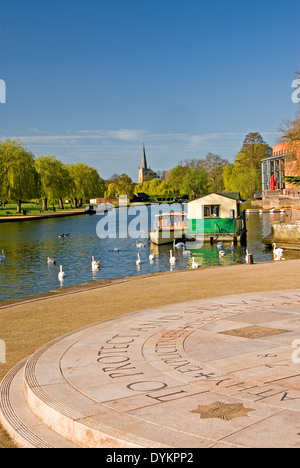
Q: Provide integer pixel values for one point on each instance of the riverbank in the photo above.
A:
(29, 323)
(36, 217)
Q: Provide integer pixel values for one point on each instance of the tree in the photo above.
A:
(194, 183)
(85, 183)
(122, 185)
(55, 180)
(214, 166)
(244, 175)
(19, 178)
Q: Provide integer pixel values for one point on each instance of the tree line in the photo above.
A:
(194, 178)
(24, 177)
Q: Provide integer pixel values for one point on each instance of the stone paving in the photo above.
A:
(221, 372)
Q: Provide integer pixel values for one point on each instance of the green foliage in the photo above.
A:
(19, 179)
(244, 175)
(121, 185)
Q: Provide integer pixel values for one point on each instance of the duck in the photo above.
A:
(220, 245)
(95, 264)
(172, 258)
(222, 253)
(139, 261)
(61, 274)
(51, 261)
(151, 257)
(116, 249)
(2, 256)
(195, 264)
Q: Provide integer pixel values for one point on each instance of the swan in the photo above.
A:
(151, 257)
(231, 248)
(180, 245)
(139, 261)
(139, 245)
(186, 252)
(95, 264)
(195, 264)
(61, 274)
(247, 258)
(51, 261)
(277, 252)
(172, 258)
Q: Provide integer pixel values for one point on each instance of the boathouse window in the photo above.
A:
(211, 211)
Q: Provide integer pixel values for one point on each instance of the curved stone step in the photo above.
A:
(67, 411)
(25, 428)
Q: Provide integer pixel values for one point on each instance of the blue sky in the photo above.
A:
(92, 80)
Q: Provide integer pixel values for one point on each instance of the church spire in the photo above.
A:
(144, 160)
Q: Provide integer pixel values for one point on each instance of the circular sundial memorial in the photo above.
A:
(222, 372)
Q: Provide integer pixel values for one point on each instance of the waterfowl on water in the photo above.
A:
(139, 261)
(139, 245)
(95, 264)
(61, 274)
(172, 258)
(195, 264)
(51, 261)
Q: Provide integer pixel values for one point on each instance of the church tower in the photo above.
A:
(143, 171)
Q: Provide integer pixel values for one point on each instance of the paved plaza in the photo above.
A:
(221, 372)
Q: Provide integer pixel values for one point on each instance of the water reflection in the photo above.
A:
(28, 245)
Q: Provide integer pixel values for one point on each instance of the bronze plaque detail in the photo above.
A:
(254, 332)
(223, 411)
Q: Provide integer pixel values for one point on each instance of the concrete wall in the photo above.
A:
(286, 232)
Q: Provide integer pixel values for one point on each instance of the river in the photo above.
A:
(27, 245)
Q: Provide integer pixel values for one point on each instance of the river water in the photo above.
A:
(27, 245)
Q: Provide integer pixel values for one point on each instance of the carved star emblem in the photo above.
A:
(223, 411)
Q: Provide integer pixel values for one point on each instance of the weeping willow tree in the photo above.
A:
(19, 180)
(55, 180)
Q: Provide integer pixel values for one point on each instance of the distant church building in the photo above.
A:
(144, 170)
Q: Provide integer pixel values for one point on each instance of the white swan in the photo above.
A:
(139, 245)
(95, 264)
(195, 264)
(277, 252)
(231, 248)
(139, 261)
(180, 245)
(51, 261)
(61, 274)
(172, 258)
(186, 252)
(248, 257)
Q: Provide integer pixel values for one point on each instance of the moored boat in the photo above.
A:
(168, 227)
